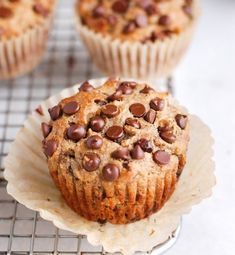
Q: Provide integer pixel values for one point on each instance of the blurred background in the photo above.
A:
(204, 82)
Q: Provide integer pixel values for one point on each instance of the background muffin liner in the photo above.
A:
(30, 183)
(135, 59)
(23, 53)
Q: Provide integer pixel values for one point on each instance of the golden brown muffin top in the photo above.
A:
(115, 132)
(17, 16)
(136, 20)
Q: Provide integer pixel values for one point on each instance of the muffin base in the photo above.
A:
(23, 53)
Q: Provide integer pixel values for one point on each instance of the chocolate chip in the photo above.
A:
(168, 136)
(157, 104)
(5, 12)
(110, 172)
(55, 112)
(133, 122)
(40, 9)
(14, 1)
(120, 6)
(94, 142)
(115, 132)
(151, 9)
(146, 89)
(145, 145)
(91, 161)
(112, 20)
(137, 109)
(110, 110)
(100, 102)
(39, 110)
(188, 10)
(97, 123)
(86, 87)
(115, 96)
(137, 152)
(46, 129)
(129, 27)
(121, 153)
(141, 20)
(49, 147)
(157, 36)
(76, 132)
(181, 120)
(161, 157)
(164, 20)
(127, 87)
(98, 11)
(71, 108)
(150, 116)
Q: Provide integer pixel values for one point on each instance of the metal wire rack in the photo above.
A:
(23, 231)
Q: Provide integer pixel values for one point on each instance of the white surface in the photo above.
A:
(205, 83)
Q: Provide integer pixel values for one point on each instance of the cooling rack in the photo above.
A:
(66, 62)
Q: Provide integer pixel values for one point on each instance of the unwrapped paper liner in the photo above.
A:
(30, 183)
(135, 59)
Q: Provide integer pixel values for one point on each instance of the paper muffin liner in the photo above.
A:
(135, 59)
(21, 54)
(30, 183)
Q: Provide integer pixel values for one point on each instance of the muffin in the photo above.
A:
(117, 151)
(136, 38)
(24, 27)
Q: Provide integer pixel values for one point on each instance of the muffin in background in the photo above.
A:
(24, 27)
(116, 152)
(137, 38)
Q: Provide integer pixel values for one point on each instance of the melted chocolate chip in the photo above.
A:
(97, 123)
(39, 110)
(71, 108)
(145, 145)
(91, 161)
(146, 89)
(188, 10)
(98, 11)
(86, 87)
(115, 133)
(151, 9)
(129, 27)
(49, 147)
(100, 102)
(157, 104)
(120, 6)
(94, 142)
(40, 9)
(137, 109)
(168, 136)
(112, 20)
(141, 20)
(115, 96)
(76, 132)
(121, 153)
(110, 172)
(161, 157)
(137, 152)
(46, 129)
(110, 110)
(181, 120)
(5, 12)
(133, 122)
(150, 116)
(164, 20)
(127, 87)
(55, 112)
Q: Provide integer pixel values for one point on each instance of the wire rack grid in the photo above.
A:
(66, 62)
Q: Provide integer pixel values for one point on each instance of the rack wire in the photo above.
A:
(66, 62)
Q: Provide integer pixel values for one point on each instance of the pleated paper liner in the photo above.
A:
(30, 183)
(21, 54)
(135, 59)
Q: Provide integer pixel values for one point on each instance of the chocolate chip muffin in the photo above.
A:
(24, 26)
(117, 151)
(152, 26)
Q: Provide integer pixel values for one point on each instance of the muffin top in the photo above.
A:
(17, 16)
(116, 133)
(136, 20)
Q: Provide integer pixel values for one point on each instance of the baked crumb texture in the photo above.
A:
(117, 151)
(136, 20)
